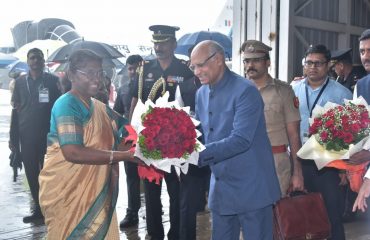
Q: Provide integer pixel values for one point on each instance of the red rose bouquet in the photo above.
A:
(341, 126)
(168, 133)
(337, 132)
(167, 137)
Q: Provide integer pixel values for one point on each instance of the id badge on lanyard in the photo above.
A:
(43, 95)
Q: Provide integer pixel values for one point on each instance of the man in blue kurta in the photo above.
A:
(243, 183)
(363, 89)
(363, 85)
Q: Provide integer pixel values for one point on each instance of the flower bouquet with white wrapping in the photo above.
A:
(336, 133)
(167, 136)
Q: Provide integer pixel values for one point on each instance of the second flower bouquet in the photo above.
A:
(336, 133)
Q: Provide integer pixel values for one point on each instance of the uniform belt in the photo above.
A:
(279, 149)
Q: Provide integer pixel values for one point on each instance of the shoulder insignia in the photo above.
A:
(296, 102)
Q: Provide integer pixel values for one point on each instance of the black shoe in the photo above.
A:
(129, 221)
(35, 216)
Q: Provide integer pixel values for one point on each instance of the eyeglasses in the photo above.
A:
(93, 75)
(314, 64)
(253, 60)
(201, 65)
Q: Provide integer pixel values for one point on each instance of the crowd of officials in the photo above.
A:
(252, 126)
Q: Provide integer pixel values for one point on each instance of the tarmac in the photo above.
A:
(15, 200)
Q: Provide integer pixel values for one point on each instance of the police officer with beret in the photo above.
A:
(155, 77)
(342, 65)
(281, 114)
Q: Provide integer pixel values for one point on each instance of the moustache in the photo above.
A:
(251, 69)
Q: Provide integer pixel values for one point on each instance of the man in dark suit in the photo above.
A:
(33, 98)
(122, 105)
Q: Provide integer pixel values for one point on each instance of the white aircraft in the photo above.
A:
(224, 21)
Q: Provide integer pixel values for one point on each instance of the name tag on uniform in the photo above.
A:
(44, 95)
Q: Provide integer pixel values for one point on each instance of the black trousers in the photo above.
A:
(193, 187)
(326, 181)
(33, 149)
(133, 188)
(154, 207)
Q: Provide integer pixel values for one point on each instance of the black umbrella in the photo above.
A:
(102, 49)
(15, 156)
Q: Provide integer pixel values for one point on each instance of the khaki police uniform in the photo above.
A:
(281, 107)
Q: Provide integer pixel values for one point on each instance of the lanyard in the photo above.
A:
(317, 98)
(28, 85)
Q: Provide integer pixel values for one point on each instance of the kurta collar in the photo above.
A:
(223, 81)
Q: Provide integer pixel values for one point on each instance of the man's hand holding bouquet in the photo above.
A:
(167, 136)
(336, 133)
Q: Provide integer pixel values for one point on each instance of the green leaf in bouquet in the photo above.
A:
(150, 109)
(155, 154)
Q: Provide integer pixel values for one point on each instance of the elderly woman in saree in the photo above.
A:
(79, 181)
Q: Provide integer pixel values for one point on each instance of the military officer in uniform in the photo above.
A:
(281, 114)
(155, 77)
(347, 75)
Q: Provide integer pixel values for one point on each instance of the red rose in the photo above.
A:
(355, 128)
(329, 123)
(324, 135)
(348, 138)
(149, 144)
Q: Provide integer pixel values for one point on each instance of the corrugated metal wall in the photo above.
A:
(326, 10)
(323, 24)
(360, 15)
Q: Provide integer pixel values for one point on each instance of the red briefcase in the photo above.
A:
(301, 217)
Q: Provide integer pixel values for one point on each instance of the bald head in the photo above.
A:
(208, 61)
(209, 46)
